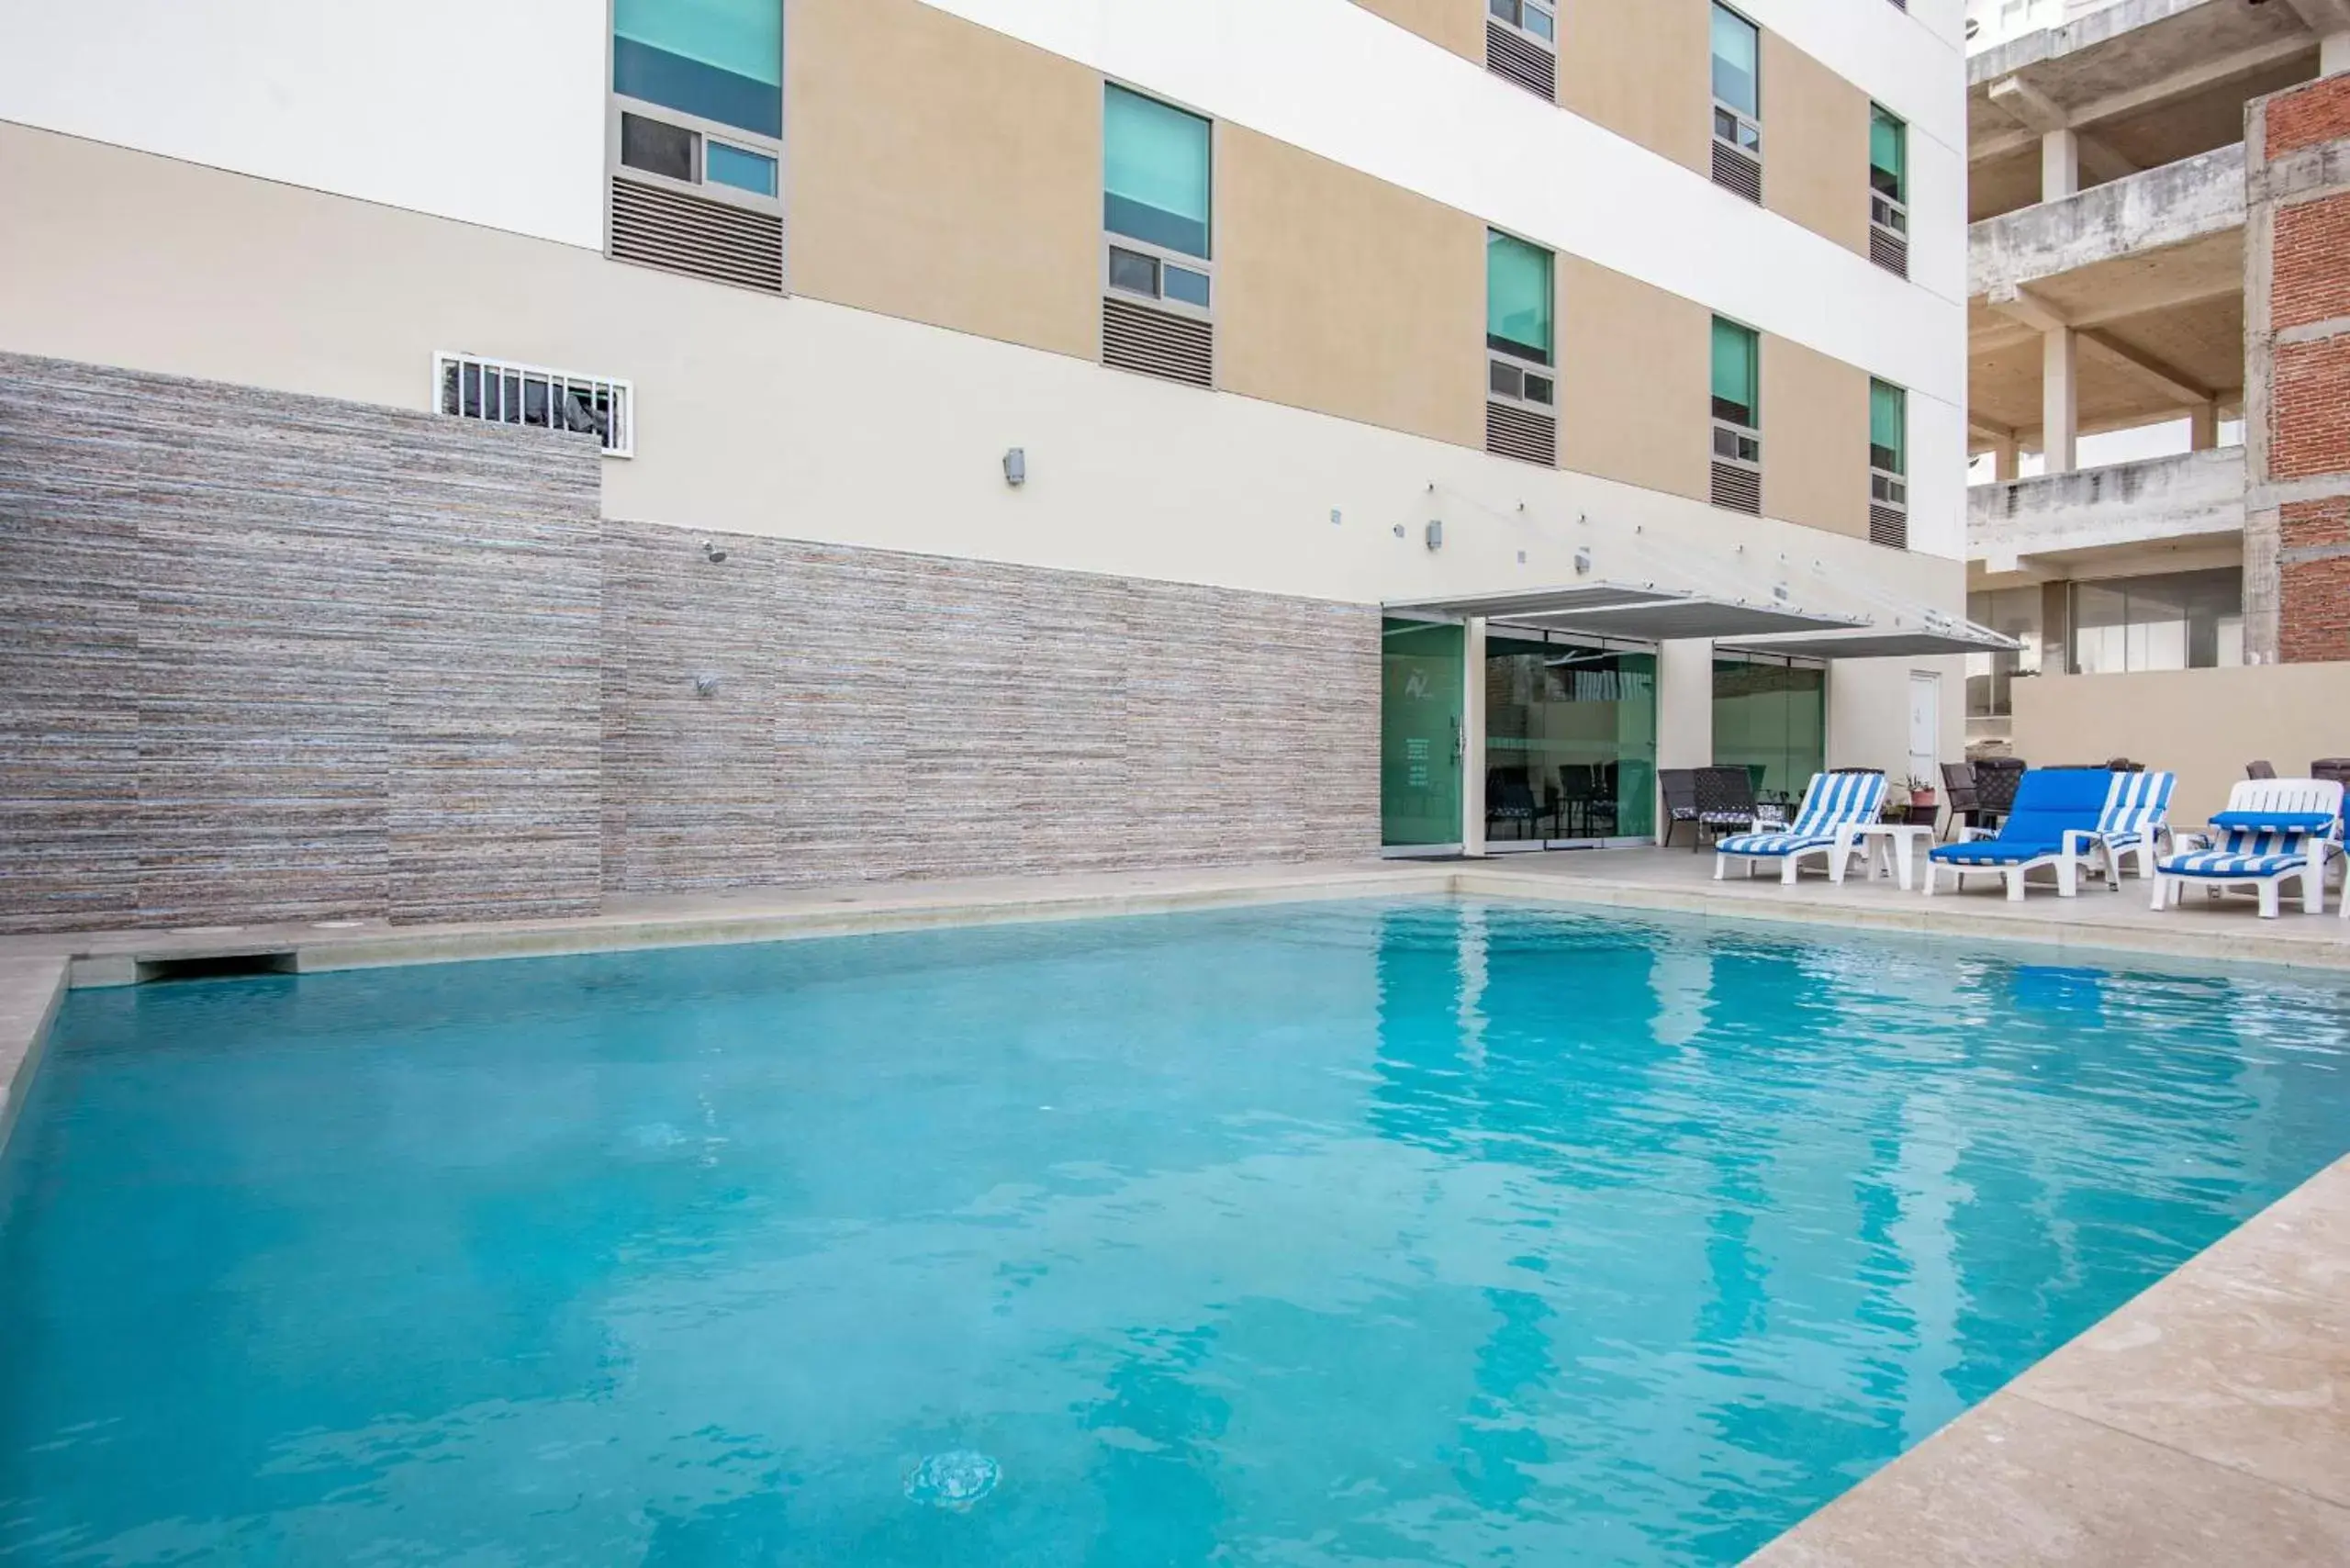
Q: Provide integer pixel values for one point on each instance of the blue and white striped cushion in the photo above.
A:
(1990, 852)
(2137, 801)
(2220, 863)
(1770, 844)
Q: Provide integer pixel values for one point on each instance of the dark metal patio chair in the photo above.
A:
(1725, 803)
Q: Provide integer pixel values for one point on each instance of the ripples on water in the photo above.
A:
(1342, 1233)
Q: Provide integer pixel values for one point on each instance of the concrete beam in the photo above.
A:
(2152, 372)
(2326, 18)
(2178, 84)
(2193, 495)
(2029, 107)
(2020, 304)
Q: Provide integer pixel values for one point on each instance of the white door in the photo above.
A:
(1925, 726)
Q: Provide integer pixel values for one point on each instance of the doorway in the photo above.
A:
(1925, 726)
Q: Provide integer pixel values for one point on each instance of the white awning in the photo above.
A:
(1644, 614)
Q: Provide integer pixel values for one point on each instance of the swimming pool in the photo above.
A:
(1422, 1232)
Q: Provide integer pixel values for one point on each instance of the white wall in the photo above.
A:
(488, 111)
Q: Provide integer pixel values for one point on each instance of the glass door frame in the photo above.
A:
(1518, 633)
(1453, 848)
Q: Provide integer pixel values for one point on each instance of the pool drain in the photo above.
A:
(956, 1479)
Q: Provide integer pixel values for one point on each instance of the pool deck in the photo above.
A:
(2205, 1422)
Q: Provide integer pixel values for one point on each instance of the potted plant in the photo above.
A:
(1921, 794)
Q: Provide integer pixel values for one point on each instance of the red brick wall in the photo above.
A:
(2313, 619)
(2305, 116)
(2311, 280)
(2312, 409)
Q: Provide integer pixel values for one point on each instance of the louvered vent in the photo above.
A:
(659, 228)
(1889, 250)
(1889, 526)
(1157, 342)
(1521, 433)
(1738, 488)
(1514, 55)
(1736, 170)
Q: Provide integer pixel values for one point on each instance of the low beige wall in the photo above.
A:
(2202, 725)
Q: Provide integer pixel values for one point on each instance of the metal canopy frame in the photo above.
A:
(1888, 644)
(1643, 613)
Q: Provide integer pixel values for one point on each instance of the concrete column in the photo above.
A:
(2055, 629)
(2060, 165)
(1685, 709)
(2333, 54)
(2007, 459)
(2059, 368)
(1472, 739)
(2203, 428)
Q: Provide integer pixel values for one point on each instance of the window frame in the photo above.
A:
(1518, 9)
(703, 130)
(1511, 361)
(1746, 129)
(1889, 212)
(1734, 441)
(1162, 256)
(1889, 487)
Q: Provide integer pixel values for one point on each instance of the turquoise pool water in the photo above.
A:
(1338, 1233)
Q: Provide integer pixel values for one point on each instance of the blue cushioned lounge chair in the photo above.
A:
(1833, 805)
(2052, 806)
(2273, 830)
(2135, 820)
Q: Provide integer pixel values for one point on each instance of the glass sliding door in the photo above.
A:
(1771, 718)
(1422, 681)
(1569, 742)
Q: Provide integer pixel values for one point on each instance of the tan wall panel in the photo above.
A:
(1815, 439)
(1814, 145)
(1633, 368)
(1458, 25)
(2285, 714)
(1644, 70)
(1344, 294)
(943, 172)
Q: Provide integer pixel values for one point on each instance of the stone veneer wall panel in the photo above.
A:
(910, 716)
(271, 658)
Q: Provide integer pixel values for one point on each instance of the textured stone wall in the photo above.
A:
(883, 716)
(267, 657)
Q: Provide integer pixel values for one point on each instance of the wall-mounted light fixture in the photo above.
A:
(706, 683)
(1015, 466)
(1435, 533)
(1583, 562)
(713, 550)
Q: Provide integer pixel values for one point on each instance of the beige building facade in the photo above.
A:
(989, 286)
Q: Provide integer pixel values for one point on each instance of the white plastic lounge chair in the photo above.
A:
(2273, 830)
(2055, 808)
(2136, 816)
(1833, 805)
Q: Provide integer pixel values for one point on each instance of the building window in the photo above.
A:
(1737, 418)
(1521, 384)
(1888, 466)
(1738, 104)
(715, 60)
(2170, 620)
(1522, 44)
(694, 141)
(2014, 612)
(1889, 192)
(1158, 285)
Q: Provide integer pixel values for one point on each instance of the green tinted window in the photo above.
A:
(1888, 154)
(1155, 172)
(1737, 63)
(1517, 297)
(1888, 428)
(719, 58)
(1737, 363)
